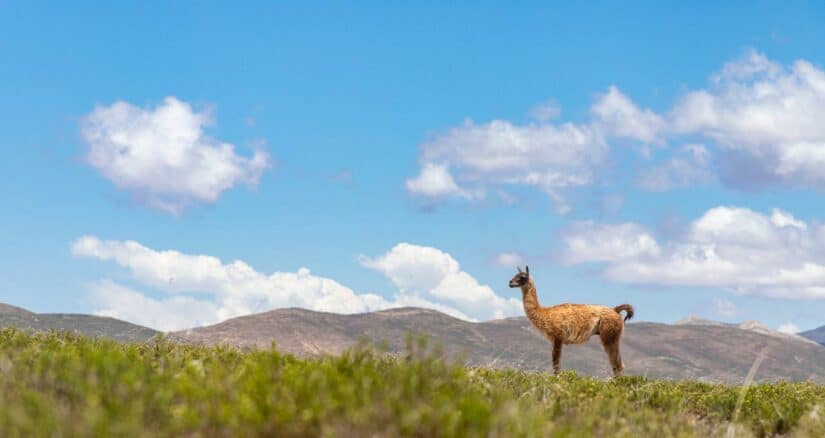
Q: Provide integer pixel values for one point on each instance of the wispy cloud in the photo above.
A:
(725, 308)
(690, 166)
(508, 259)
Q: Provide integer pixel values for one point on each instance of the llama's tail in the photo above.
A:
(627, 308)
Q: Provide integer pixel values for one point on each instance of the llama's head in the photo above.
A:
(522, 278)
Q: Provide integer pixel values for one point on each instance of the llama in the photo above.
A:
(574, 323)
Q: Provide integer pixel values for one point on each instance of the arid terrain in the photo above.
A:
(90, 325)
(691, 349)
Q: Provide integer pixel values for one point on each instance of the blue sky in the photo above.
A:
(628, 153)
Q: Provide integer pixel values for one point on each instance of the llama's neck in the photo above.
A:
(531, 300)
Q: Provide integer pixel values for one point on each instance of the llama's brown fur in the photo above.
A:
(574, 323)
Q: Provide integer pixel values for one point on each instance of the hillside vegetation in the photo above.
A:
(61, 384)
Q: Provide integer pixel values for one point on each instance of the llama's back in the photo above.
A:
(573, 323)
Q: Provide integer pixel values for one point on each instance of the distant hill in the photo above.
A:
(711, 351)
(754, 326)
(690, 349)
(816, 335)
(90, 325)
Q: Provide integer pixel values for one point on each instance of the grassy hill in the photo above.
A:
(710, 352)
(89, 325)
(60, 384)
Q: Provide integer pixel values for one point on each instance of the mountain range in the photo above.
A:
(816, 335)
(90, 325)
(693, 348)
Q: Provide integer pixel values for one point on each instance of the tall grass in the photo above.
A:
(60, 384)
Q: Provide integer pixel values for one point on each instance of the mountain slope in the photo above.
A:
(754, 326)
(816, 335)
(693, 351)
(90, 325)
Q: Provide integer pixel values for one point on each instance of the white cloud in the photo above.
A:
(733, 248)
(788, 328)
(724, 307)
(173, 313)
(546, 111)
(163, 157)
(592, 242)
(432, 274)
(622, 118)
(691, 166)
(766, 117)
(237, 288)
(552, 157)
(760, 122)
(508, 259)
(435, 181)
(233, 289)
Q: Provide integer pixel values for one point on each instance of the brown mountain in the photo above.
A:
(709, 351)
(89, 325)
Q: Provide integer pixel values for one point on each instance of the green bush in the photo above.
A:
(60, 384)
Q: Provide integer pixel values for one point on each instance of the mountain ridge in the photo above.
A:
(816, 335)
(718, 353)
(751, 325)
(89, 325)
(692, 349)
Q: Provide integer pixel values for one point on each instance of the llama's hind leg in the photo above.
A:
(610, 332)
(615, 358)
(556, 357)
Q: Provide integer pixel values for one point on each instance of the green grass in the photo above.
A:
(59, 384)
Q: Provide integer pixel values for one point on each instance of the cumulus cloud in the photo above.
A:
(236, 287)
(552, 157)
(766, 117)
(546, 156)
(690, 166)
(760, 122)
(435, 181)
(214, 290)
(162, 156)
(622, 118)
(738, 249)
(173, 313)
(430, 273)
(788, 328)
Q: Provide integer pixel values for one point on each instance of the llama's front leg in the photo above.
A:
(556, 357)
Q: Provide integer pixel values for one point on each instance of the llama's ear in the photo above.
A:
(527, 269)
